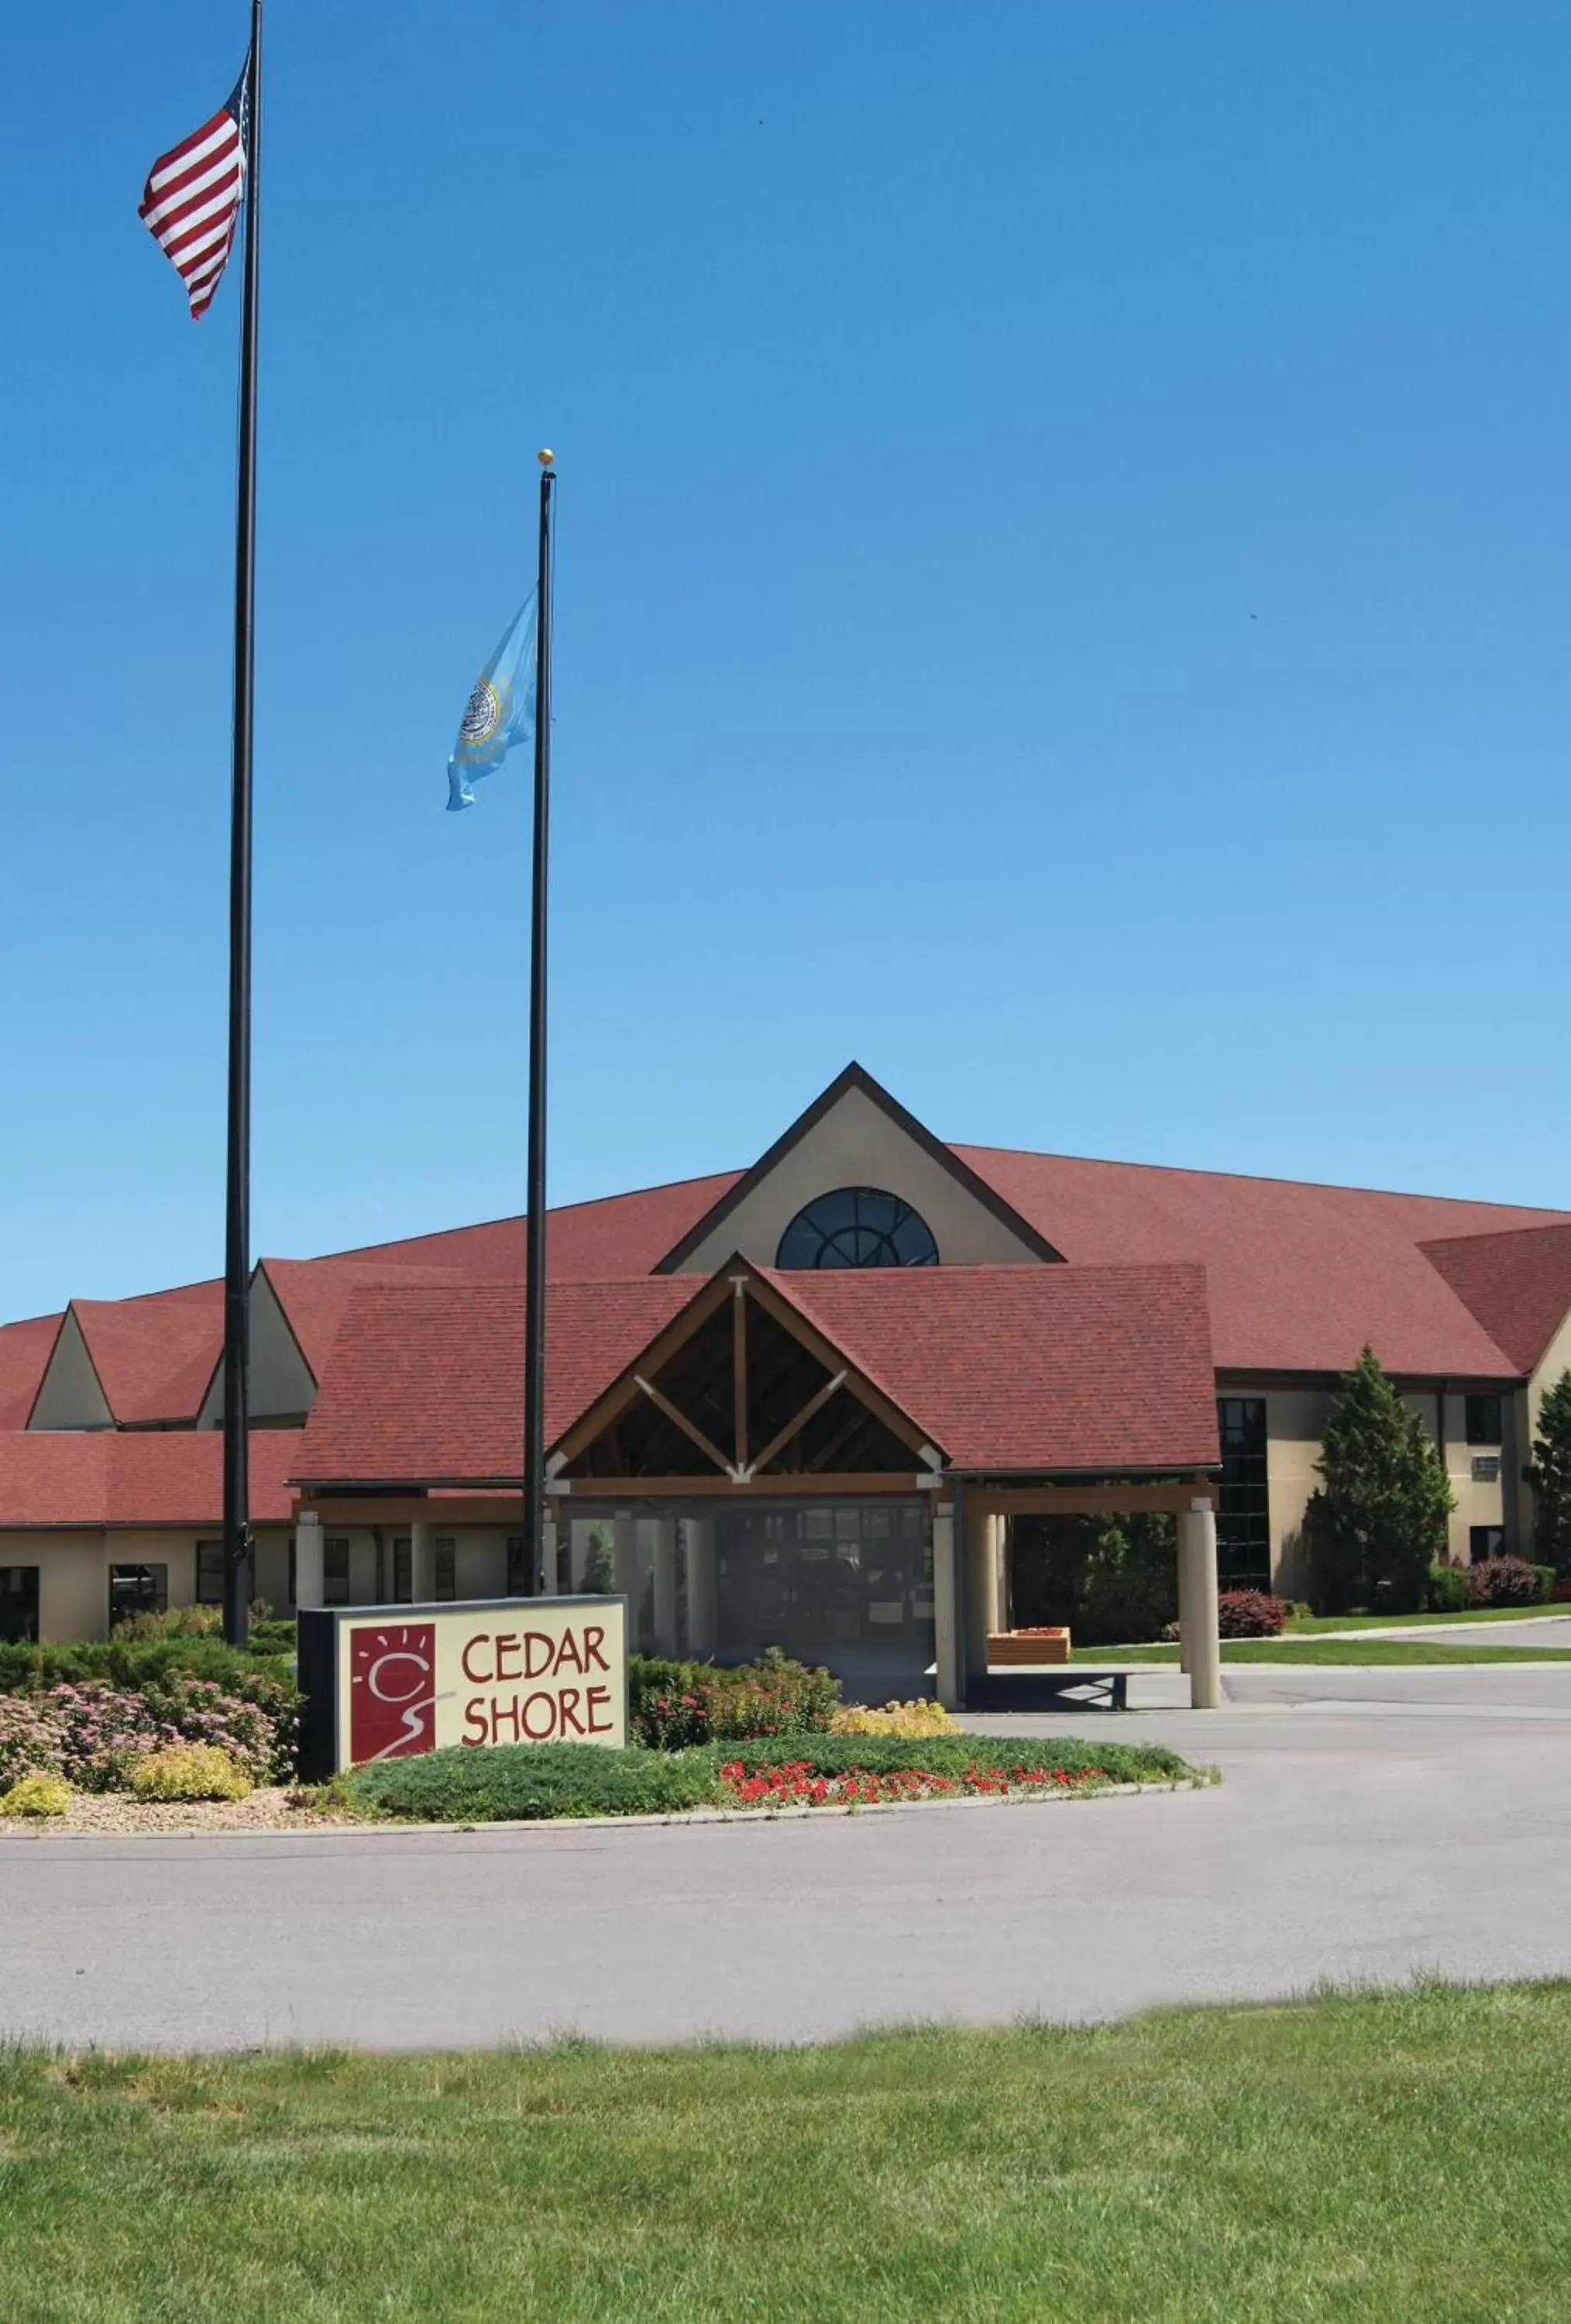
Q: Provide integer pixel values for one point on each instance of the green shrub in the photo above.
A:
(531, 1781)
(955, 1752)
(273, 1633)
(527, 1781)
(129, 1664)
(674, 1705)
(1445, 1592)
(173, 1622)
(1250, 1614)
(1546, 1577)
(37, 1795)
(1114, 1583)
(188, 1771)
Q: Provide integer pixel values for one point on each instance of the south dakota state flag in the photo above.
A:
(500, 712)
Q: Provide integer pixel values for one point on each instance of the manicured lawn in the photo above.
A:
(1298, 1623)
(1335, 1654)
(1405, 2158)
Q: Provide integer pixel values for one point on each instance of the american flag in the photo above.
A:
(192, 197)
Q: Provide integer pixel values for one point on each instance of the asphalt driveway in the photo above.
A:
(1372, 1824)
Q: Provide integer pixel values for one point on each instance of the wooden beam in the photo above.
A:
(739, 1364)
(814, 1404)
(595, 1490)
(897, 1422)
(653, 1359)
(860, 1419)
(1085, 1500)
(690, 1428)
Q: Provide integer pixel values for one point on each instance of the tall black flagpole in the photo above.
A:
(237, 1175)
(534, 1295)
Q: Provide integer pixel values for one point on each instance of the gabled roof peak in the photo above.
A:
(856, 1078)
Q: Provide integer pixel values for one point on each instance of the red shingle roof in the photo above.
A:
(24, 1352)
(1516, 1284)
(1101, 1369)
(160, 1477)
(314, 1293)
(153, 1357)
(1298, 1277)
(427, 1382)
(586, 1243)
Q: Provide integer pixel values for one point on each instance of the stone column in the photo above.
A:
(703, 1588)
(422, 1564)
(624, 1534)
(979, 1570)
(1001, 1573)
(1197, 1604)
(945, 1610)
(308, 1559)
(550, 1554)
(663, 1551)
(578, 1532)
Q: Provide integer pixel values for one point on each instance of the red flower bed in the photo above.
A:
(795, 1784)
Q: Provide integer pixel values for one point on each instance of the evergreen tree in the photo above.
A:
(1378, 1522)
(599, 1563)
(1550, 1474)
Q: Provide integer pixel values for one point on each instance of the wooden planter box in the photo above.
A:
(1029, 1647)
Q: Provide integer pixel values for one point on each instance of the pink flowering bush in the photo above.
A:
(105, 1731)
(199, 1711)
(102, 1731)
(32, 1740)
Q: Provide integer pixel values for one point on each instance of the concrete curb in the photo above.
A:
(1202, 1780)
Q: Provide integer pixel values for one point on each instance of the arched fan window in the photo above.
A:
(857, 1226)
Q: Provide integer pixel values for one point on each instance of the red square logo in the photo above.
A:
(393, 1690)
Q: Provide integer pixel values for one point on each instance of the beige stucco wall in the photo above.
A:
(69, 1395)
(73, 1569)
(1295, 1424)
(1295, 1421)
(281, 1383)
(857, 1145)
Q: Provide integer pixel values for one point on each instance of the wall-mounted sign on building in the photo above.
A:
(382, 1683)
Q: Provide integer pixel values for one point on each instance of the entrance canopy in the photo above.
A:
(755, 1380)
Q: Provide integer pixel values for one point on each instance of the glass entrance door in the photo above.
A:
(846, 1583)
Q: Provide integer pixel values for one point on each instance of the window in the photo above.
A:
(1484, 1541)
(1485, 1419)
(18, 1605)
(335, 1569)
(211, 1574)
(857, 1226)
(403, 1570)
(137, 1589)
(444, 1562)
(1243, 1527)
(517, 1572)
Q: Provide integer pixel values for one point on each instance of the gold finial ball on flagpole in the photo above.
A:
(545, 458)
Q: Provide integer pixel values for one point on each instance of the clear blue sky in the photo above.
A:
(1065, 597)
